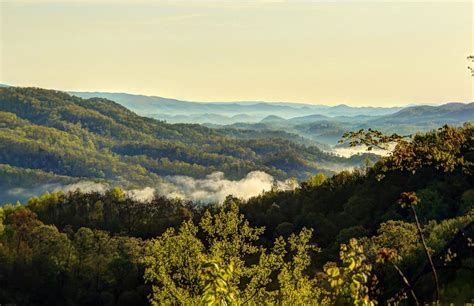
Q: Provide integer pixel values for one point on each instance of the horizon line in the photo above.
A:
(243, 100)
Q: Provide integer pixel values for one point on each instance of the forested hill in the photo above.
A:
(399, 232)
(61, 138)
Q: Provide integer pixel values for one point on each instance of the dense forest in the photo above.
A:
(59, 138)
(398, 230)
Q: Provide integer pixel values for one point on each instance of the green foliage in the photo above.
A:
(352, 280)
(39, 265)
(314, 181)
(216, 288)
(223, 260)
(226, 266)
(433, 205)
(467, 201)
(75, 248)
(172, 265)
(371, 138)
(112, 211)
(396, 235)
(59, 138)
(446, 149)
(295, 285)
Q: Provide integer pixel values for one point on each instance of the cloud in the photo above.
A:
(21, 194)
(144, 195)
(349, 151)
(84, 186)
(24, 194)
(215, 187)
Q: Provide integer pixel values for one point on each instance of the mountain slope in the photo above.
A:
(446, 113)
(98, 139)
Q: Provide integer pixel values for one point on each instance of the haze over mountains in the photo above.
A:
(328, 130)
(264, 171)
(174, 110)
(320, 123)
(50, 138)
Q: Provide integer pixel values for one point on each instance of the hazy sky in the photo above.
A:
(330, 52)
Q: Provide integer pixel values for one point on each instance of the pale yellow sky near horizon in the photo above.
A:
(380, 53)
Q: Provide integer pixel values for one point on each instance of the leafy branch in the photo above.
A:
(371, 139)
(470, 58)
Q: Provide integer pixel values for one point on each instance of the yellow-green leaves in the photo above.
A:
(173, 262)
(333, 272)
(219, 263)
(350, 281)
(215, 283)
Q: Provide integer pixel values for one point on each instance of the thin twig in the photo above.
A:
(428, 255)
(407, 283)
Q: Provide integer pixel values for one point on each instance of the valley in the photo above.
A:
(62, 139)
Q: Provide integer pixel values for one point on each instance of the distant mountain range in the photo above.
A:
(180, 111)
(443, 114)
(284, 113)
(320, 123)
(328, 130)
(175, 111)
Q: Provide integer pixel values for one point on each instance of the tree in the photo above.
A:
(444, 150)
(226, 264)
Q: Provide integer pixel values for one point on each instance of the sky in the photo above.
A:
(379, 53)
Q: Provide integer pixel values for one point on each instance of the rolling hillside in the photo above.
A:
(69, 137)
